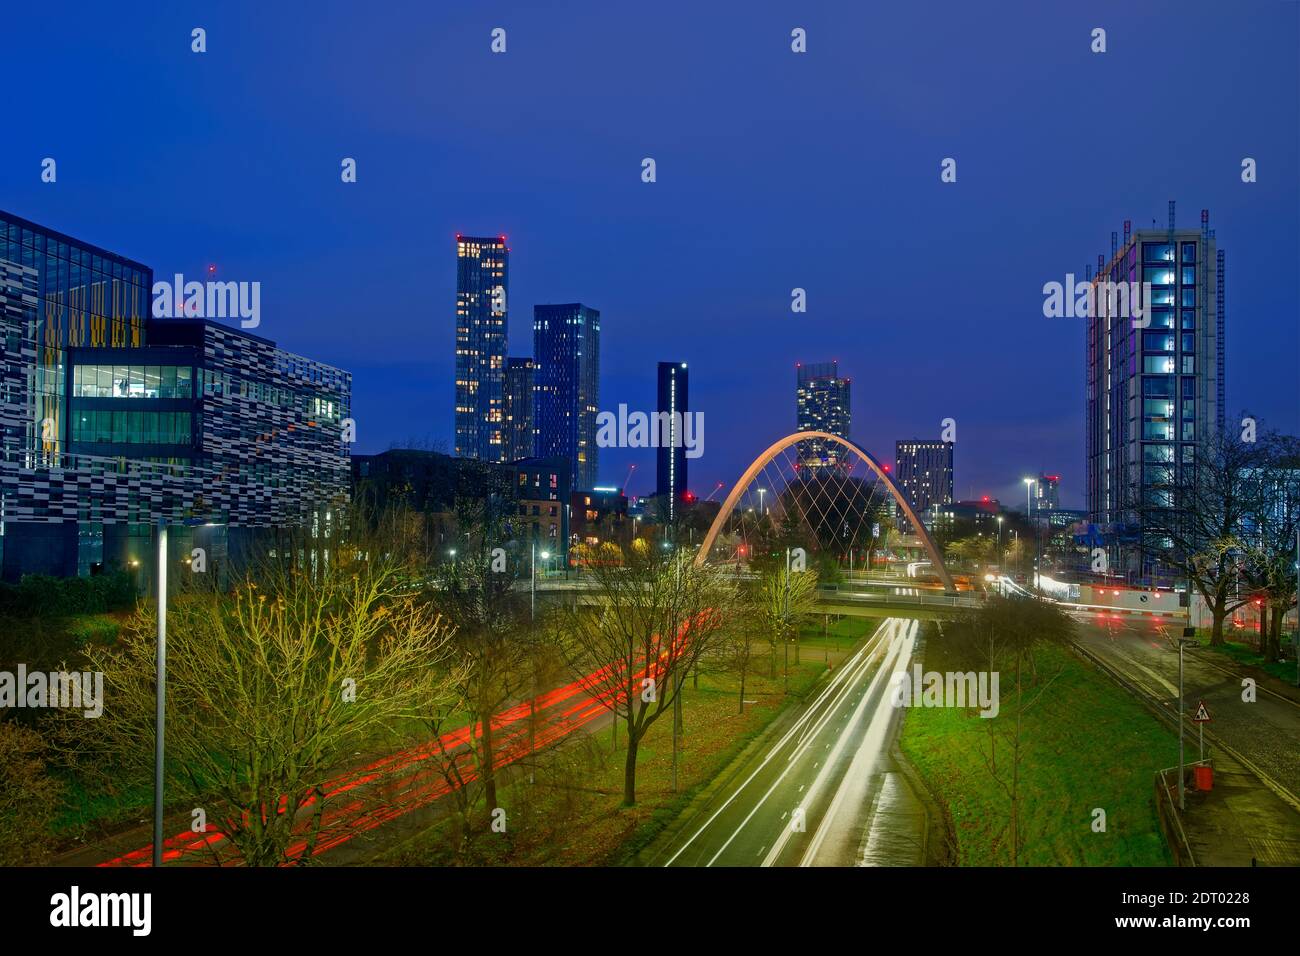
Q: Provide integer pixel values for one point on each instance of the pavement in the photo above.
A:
(821, 788)
(1251, 816)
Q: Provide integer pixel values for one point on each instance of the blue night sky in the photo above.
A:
(775, 170)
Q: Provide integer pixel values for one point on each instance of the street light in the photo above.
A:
(761, 508)
(160, 695)
(160, 686)
(1187, 638)
(1001, 554)
(532, 608)
(1029, 516)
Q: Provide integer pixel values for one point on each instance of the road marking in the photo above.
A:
(816, 729)
(879, 722)
(841, 676)
(900, 647)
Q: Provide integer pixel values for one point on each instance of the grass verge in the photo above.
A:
(1086, 746)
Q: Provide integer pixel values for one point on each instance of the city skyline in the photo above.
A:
(358, 509)
(376, 298)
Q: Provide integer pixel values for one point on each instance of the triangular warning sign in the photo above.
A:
(1202, 715)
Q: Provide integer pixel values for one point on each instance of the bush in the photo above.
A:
(99, 629)
(28, 797)
(39, 595)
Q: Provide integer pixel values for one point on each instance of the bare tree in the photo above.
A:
(1269, 539)
(786, 599)
(655, 617)
(1006, 631)
(272, 691)
(1193, 516)
(492, 641)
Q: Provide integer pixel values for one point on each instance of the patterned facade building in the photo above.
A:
(111, 420)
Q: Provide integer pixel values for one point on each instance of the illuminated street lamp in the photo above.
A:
(1029, 516)
(160, 684)
(1001, 553)
(532, 611)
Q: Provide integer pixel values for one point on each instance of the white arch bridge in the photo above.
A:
(818, 488)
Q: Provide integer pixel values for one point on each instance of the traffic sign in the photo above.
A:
(1202, 714)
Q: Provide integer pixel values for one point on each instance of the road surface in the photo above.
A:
(1266, 733)
(825, 792)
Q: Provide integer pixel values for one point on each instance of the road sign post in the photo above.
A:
(1201, 718)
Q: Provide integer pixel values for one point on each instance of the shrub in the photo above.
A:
(28, 797)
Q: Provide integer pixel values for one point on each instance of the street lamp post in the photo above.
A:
(532, 602)
(1182, 643)
(1029, 516)
(1001, 554)
(761, 508)
(160, 695)
(160, 689)
(786, 620)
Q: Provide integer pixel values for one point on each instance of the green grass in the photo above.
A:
(1243, 653)
(93, 628)
(86, 813)
(1086, 744)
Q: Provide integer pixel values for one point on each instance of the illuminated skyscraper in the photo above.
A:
(520, 399)
(482, 284)
(822, 404)
(1155, 382)
(923, 470)
(1047, 493)
(566, 350)
(670, 457)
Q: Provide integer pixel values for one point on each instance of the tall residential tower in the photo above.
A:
(482, 284)
(821, 404)
(566, 350)
(520, 433)
(923, 470)
(670, 457)
(1155, 385)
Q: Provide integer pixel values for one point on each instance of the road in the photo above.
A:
(824, 793)
(1266, 733)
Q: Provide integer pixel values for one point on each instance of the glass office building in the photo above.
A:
(1155, 385)
(821, 404)
(520, 433)
(482, 289)
(56, 293)
(111, 419)
(923, 472)
(566, 348)
(674, 401)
